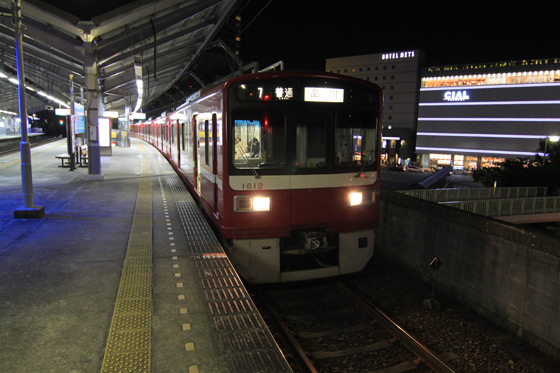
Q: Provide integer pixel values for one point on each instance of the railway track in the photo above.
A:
(9, 148)
(328, 326)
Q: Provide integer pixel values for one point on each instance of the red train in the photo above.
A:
(286, 165)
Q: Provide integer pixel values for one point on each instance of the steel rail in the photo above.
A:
(407, 339)
(15, 148)
(302, 358)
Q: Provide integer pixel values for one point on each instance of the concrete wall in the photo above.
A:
(506, 273)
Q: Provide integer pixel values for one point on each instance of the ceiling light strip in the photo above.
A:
(432, 119)
(483, 151)
(488, 135)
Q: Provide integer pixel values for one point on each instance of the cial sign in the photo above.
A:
(456, 96)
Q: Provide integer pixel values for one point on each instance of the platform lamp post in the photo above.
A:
(546, 141)
(29, 210)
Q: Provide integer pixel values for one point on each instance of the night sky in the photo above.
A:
(303, 33)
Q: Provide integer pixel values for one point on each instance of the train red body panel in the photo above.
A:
(286, 165)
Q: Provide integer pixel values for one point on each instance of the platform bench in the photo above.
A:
(63, 157)
(83, 154)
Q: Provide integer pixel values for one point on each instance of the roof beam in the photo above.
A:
(136, 35)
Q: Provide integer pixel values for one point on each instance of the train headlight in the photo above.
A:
(356, 198)
(361, 198)
(250, 204)
(261, 204)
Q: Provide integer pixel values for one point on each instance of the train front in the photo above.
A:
(301, 190)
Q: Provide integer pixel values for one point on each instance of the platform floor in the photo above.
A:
(108, 281)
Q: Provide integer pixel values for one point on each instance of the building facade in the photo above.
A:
(398, 75)
(478, 115)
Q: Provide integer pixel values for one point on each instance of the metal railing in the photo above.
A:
(471, 194)
(509, 207)
(436, 180)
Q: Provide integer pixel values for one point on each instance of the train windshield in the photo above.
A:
(259, 139)
(296, 136)
(355, 139)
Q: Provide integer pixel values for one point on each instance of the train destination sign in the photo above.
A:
(288, 92)
(320, 94)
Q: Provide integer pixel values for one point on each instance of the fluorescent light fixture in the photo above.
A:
(140, 88)
(141, 116)
(488, 135)
(14, 80)
(61, 111)
(488, 103)
(459, 150)
(489, 119)
(111, 114)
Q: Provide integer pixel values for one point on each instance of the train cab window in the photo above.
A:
(258, 139)
(355, 139)
(311, 140)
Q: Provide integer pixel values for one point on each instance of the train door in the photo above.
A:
(169, 125)
(159, 136)
(215, 161)
(169, 140)
(205, 157)
(196, 155)
(180, 140)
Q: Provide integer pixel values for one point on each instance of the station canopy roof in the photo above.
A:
(174, 46)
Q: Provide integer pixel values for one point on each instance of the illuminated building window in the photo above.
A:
(530, 77)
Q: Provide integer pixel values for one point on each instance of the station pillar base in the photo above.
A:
(94, 177)
(35, 212)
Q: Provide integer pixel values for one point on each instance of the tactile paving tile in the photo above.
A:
(247, 343)
(134, 361)
(128, 346)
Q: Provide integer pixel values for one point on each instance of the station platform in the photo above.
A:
(121, 274)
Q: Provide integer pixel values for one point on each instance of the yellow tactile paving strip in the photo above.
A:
(129, 342)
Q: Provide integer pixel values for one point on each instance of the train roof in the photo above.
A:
(221, 84)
